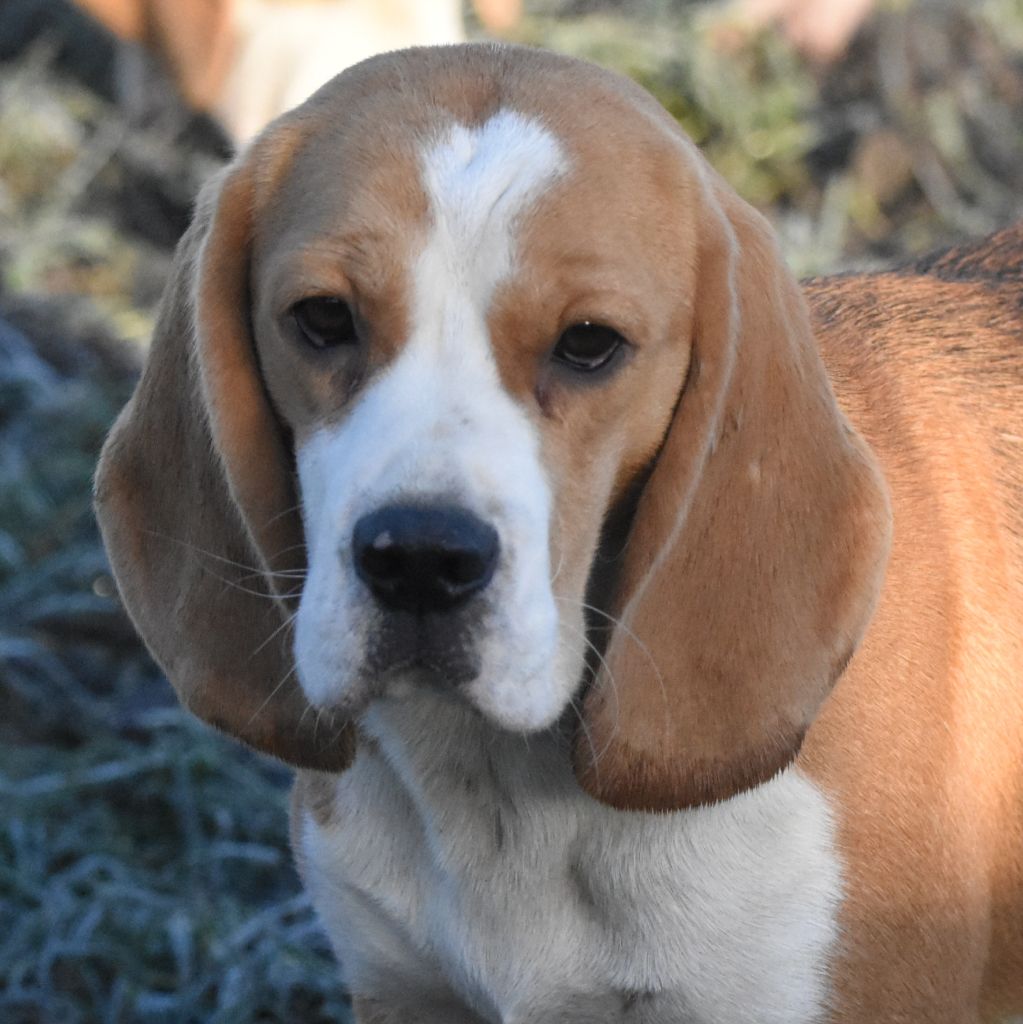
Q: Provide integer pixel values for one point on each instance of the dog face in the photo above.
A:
(488, 377)
(451, 370)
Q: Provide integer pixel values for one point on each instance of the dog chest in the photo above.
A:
(464, 865)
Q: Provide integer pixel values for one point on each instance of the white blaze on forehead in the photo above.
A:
(479, 181)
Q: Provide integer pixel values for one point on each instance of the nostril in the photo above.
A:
(424, 558)
(381, 559)
(462, 567)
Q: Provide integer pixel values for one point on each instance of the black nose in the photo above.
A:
(424, 558)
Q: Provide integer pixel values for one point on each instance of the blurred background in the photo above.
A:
(144, 872)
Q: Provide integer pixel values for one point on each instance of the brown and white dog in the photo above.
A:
(244, 62)
(651, 644)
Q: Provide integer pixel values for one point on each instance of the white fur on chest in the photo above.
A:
(467, 867)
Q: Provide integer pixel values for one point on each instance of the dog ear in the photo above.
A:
(195, 499)
(125, 18)
(756, 551)
(193, 39)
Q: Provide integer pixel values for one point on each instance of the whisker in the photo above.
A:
(301, 546)
(558, 522)
(285, 512)
(289, 621)
(245, 590)
(649, 657)
(320, 712)
(629, 633)
(273, 575)
(270, 696)
(235, 586)
(201, 551)
(252, 572)
(255, 570)
(561, 565)
(594, 756)
(612, 682)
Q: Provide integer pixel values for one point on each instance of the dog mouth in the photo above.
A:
(430, 648)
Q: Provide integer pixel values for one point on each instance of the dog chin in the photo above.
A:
(525, 709)
(526, 701)
(531, 703)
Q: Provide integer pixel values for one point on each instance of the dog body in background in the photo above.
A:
(244, 62)
(645, 656)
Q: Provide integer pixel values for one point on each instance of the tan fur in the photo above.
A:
(791, 464)
(764, 526)
(921, 741)
(194, 39)
(195, 500)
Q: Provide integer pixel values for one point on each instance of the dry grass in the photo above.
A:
(144, 873)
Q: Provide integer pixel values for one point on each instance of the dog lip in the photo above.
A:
(440, 649)
(349, 704)
(435, 668)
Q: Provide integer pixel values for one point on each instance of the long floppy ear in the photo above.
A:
(125, 18)
(195, 499)
(756, 551)
(195, 38)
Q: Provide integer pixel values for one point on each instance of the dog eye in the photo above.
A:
(325, 322)
(587, 346)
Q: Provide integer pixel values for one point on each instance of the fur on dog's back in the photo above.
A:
(927, 361)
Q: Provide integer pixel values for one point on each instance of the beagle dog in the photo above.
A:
(244, 62)
(648, 638)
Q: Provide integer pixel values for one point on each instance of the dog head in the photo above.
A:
(474, 375)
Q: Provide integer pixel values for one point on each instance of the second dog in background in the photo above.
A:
(244, 62)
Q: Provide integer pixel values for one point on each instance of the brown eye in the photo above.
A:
(587, 347)
(325, 322)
